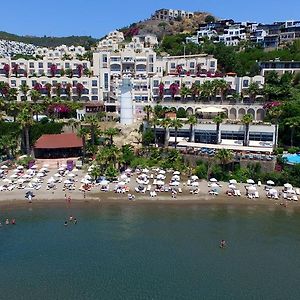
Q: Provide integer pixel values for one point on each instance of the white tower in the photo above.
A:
(126, 102)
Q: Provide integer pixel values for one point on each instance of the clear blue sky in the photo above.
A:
(98, 17)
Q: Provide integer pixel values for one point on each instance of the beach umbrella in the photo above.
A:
(232, 186)
(160, 182)
(232, 181)
(50, 180)
(68, 181)
(162, 172)
(176, 173)
(104, 182)
(174, 183)
(250, 181)
(270, 182)
(4, 167)
(195, 183)
(88, 177)
(71, 175)
(194, 177)
(214, 185)
(128, 170)
(75, 170)
(13, 176)
(40, 174)
(160, 176)
(20, 180)
(43, 170)
(176, 177)
(85, 181)
(20, 167)
(145, 170)
(288, 186)
(121, 183)
(213, 180)
(123, 176)
(252, 189)
(61, 169)
(57, 175)
(46, 165)
(35, 180)
(6, 180)
(34, 167)
(273, 192)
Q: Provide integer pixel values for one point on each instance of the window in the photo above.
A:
(245, 83)
(173, 65)
(104, 58)
(155, 83)
(31, 65)
(67, 65)
(94, 82)
(49, 65)
(212, 64)
(106, 81)
(41, 65)
(94, 91)
(192, 65)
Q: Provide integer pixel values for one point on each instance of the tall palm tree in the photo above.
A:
(34, 95)
(275, 114)
(165, 123)
(24, 89)
(192, 121)
(184, 92)
(111, 132)
(148, 110)
(48, 88)
(13, 109)
(83, 132)
(25, 120)
(93, 123)
(207, 90)
(196, 90)
(247, 120)
(293, 123)
(253, 90)
(154, 122)
(12, 94)
(222, 87)
(36, 109)
(176, 124)
(218, 120)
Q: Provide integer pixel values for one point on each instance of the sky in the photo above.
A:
(98, 17)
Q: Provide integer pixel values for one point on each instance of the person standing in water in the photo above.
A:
(222, 244)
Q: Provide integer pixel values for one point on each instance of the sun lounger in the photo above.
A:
(298, 191)
(256, 195)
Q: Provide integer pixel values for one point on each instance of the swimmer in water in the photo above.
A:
(71, 218)
(66, 223)
(75, 221)
(222, 244)
(6, 222)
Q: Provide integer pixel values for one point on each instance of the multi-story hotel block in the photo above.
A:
(171, 14)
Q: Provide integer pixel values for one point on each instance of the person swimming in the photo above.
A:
(71, 218)
(66, 223)
(222, 244)
(6, 222)
(75, 221)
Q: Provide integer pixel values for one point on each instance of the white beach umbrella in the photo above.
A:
(13, 176)
(288, 186)
(34, 167)
(250, 181)
(194, 177)
(273, 192)
(123, 176)
(162, 172)
(75, 170)
(121, 183)
(174, 183)
(20, 180)
(175, 177)
(6, 180)
(71, 175)
(213, 180)
(128, 170)
(232, 181)
(252, 188)
(195, 184)
(85, 181)
(176, 173)
(145, 170)
(40, 174)
(20, 167)
(50, 180)
(88, 177)
(61, 169)
(46, 165)
(4, 167)
(43, 170)
(57, 175)
(160, 176)
(232, 186)
(35, 180)
(214, 185)
(160, 182)
(270, 182)
(68, 181)
(104, 182)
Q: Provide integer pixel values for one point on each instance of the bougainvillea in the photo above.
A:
(15, 69)
(161, 90)
(59, 110)
(179, 69)
(79, 70)
(272, 104)
(6, 69)
(174, 88)
(47, 88)
(38, 87)
(53, 70)
(79, 89)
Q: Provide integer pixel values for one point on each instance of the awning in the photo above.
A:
(210, 109)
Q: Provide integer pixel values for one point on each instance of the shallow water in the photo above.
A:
(150, 252)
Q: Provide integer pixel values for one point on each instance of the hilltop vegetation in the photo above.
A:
(47, 41)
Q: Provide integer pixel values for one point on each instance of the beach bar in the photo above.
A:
(58, 145)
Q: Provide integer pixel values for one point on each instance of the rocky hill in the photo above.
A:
(161, 28)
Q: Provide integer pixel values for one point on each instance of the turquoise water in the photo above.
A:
(292, 158)
(150, 252)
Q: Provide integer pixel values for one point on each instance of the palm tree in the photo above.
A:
(34, 95)
(224, 156)
(48, 88)
(111, 132)
(73, 123)
(36, 109)
(148, 110)
(13, 109)
(184, 92)
(247, 120)
(176, 124)
(12, 94)
(253, 90)
(195, 90)
(192, 121)
(155, 122)
(275, 113)
(218, 120)
(222, 87)
(207, 89)
(24, 89)
(83, 132)
(26, 121)
(293, 123)
(165, 123)
(93, 123)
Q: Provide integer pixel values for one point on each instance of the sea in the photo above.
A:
(150, 251)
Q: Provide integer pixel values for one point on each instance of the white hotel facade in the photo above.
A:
(139, 65)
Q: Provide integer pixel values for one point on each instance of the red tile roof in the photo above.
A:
(56, 141)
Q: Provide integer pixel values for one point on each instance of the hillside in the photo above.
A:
(51, 42)
(161, 28)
